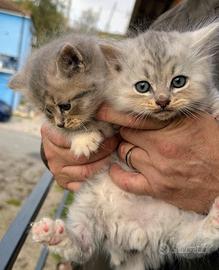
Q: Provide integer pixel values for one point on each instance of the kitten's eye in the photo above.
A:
(143, 86)
(179, 81)
(48, 111)
(65, 106)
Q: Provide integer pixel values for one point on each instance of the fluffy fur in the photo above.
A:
(65, 80)
(139, 232)
(158, 57)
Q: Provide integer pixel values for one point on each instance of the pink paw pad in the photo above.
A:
(58, 235)
(42, 230)
(48, 231)
(61, 230)
(45, 228)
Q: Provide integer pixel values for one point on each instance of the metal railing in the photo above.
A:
(17, 232)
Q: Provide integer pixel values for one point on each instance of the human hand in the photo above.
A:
(68, 170)
(178, 163)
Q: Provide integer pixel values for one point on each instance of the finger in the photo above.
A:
(123, 149)
(138, 138)
(107, 114)
(138, 158)
(152, 165)
(130, 181)
(80, 173)
(64, 180)
(68, 158)
(56, 137)
(141, 138)
(67, 183)
(73, 186)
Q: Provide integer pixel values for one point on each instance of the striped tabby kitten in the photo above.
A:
(162, 75)
(64, 79)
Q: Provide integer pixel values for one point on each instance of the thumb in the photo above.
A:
(132, 182)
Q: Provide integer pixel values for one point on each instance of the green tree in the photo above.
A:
(47, 20)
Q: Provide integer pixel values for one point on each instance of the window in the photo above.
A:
(8, 63)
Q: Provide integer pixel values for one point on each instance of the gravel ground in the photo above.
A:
(20, 169)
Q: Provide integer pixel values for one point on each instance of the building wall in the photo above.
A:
(15, 41)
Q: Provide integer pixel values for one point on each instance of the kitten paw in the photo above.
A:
(48, 231)
(117, 258)
(85, 144)
(137, 240)
(131, 237)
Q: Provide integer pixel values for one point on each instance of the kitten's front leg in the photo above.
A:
(86, 143)
(74, 244)
(53, 234)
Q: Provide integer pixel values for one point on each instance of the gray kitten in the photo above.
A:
(161, 75)
(166, 74)
(64, 79)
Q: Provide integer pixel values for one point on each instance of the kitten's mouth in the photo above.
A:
(164, 114)
(76, 125)
(166, 110)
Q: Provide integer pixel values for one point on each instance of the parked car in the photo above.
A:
(5, 111)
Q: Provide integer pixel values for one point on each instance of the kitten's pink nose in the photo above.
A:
(163, 101)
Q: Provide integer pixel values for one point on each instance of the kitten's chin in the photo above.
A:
(164, 115)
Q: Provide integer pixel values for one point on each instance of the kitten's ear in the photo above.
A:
(70, 60)
(206, 38)
(18, 81)
(112, 56)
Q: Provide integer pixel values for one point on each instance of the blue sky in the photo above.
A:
(121, 16)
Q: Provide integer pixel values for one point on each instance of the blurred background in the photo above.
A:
(25, 25)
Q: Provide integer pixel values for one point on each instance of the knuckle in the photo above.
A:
(61, 180)
(86, 171)
(125, 185)
(163, 168)
(167, 149)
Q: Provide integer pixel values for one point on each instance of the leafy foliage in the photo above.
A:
(47, 20)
